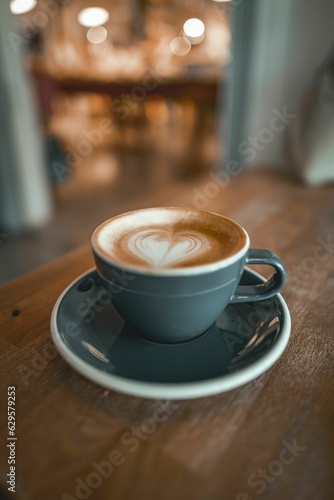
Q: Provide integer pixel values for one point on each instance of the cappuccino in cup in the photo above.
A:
(172, 271)
(164, 239)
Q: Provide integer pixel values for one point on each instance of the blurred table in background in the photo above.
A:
(174, 119)
(224, 447)
(204, 91)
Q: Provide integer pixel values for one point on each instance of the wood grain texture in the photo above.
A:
(214, 448)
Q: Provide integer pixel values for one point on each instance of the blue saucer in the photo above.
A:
(94, 339)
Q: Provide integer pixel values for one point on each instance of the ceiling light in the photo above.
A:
(93, 16)
(22, 6)
(194, 28)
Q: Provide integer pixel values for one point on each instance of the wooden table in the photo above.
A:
(272, 438)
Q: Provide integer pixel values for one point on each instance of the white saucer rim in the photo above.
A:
(172, 391)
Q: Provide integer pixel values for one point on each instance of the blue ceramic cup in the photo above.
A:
(171, 272)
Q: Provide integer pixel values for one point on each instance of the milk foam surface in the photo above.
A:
(163, 247)
(169, 238)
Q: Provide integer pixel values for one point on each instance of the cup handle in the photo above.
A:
(266, 290)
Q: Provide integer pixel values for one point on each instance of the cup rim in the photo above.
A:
(179, 271)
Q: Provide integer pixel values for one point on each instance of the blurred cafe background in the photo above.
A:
(113, 105)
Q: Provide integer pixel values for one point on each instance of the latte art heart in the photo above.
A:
(161, 248)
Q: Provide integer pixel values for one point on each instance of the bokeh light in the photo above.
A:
(194, 27)
(156, 109)
(93, 16)
(180, 46)
(97, 34)
(22, 6)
